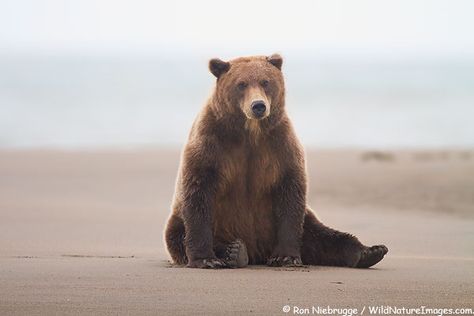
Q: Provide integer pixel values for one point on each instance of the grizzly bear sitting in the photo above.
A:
(241, 190)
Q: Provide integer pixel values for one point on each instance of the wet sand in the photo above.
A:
(81, 233)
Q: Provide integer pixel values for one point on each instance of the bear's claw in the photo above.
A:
(285, 261)
(371, 255)
(211, 263)
(236, 255)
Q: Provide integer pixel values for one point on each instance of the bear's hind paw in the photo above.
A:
(371, 256)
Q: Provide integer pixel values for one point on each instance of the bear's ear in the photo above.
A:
(218, 67)
(276, 60)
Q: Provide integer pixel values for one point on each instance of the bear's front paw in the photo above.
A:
(285, 261)
(210, 263)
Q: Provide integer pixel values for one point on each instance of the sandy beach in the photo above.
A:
(81, 233)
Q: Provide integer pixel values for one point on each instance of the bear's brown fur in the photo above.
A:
(242, 177)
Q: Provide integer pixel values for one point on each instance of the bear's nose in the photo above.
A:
(258, 108)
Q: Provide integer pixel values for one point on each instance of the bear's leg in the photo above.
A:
(234, 255)
(174, 236)
(322, 245)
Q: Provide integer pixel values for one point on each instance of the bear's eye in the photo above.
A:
(264, 83)
(242, 85)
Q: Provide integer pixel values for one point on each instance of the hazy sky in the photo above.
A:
(407, 27)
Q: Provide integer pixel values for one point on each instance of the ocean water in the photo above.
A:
(87, 102)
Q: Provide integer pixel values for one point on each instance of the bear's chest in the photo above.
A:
(253, 170)
(242, 207)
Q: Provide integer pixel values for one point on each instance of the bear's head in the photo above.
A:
(252, 86)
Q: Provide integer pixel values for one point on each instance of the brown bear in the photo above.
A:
(241, 190)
